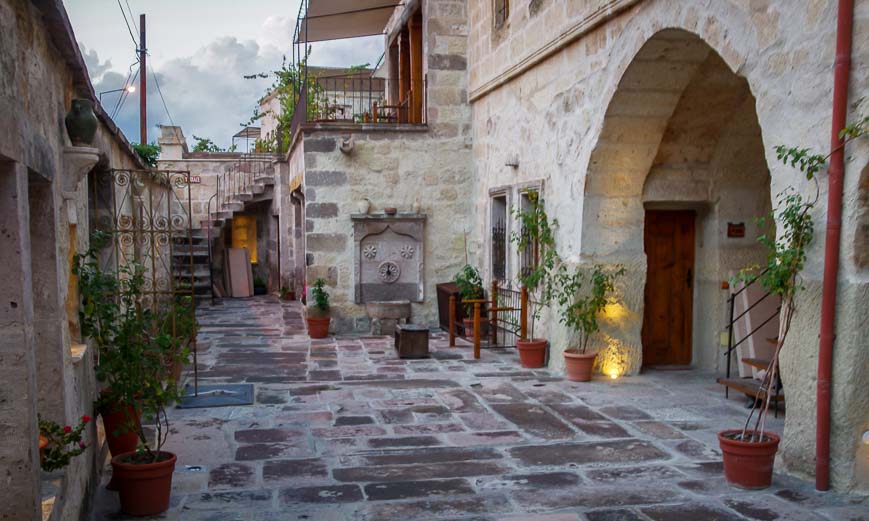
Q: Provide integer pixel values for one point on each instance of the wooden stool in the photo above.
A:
(411, 341)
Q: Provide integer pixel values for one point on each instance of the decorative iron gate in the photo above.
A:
(147, 215)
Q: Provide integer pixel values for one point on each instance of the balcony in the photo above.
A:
(356, 99)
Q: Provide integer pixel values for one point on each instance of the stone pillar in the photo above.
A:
(19, 452)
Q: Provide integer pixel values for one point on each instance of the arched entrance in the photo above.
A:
(673, 188)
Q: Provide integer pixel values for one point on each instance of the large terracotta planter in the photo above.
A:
(468, 323)
(318, 327)
(532, 353)
(748, 465)
(121, 438)
(578, 366)
(144, 489)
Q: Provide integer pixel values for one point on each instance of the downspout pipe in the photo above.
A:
(841, 76)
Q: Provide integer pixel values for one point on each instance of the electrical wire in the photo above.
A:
(132, 18)
(127, 23)
(160, 92)
(126, 82)
(125, 94)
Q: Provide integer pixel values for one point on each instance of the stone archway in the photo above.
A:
(680, 133)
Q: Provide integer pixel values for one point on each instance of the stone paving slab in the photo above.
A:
(342, 430)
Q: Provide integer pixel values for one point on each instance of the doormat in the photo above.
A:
(220, 395)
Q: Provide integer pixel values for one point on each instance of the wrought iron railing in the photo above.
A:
(499, 250)
(361, 99)
(236, 183)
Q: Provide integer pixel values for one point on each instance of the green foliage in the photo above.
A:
(287, 86)
(204, 144)
(137, 345)
(148, 153)
(64, 443)
(259, 282)
(580, 312)
(321, 298)
(470, 286)
(543, 279)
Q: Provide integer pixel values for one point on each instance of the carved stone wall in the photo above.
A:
(388, 257)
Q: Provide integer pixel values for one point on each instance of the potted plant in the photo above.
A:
(749, 452)
(580, 314)
(318, 316)
(540, 279)
(59, 445)
(259, 286)
(109, 319)
(138, 345)
(470, 286)
(287, 294)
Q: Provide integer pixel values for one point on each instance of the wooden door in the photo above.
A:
(669, 295)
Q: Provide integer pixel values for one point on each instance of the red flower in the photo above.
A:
(85, 418)
(67, 428)
(82, 444)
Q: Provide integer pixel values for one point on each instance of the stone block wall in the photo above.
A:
(390, 169)
(573, 90)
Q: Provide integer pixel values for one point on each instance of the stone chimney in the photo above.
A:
(172, 143)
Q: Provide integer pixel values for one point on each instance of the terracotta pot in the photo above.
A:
(43, 443)
(578, 366)
(290, 295)
(746, 464)
(532, 353)
(469, 327)
(318, 327)
(144, 489)
(114, 420)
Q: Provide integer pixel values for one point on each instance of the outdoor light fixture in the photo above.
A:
(128, 88)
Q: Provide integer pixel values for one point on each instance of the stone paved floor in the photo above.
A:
(342, 430)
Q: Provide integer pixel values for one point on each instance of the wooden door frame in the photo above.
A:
(688, 311)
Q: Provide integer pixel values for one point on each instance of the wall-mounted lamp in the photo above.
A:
(128, 88)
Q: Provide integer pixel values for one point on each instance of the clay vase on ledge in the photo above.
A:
(81, 122)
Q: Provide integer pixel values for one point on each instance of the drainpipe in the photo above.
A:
(841, 72)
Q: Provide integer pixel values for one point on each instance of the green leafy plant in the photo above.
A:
(204, 144)
(544, 277)
(470, 286)
(64, 443)
(288, 83)
(786, 257)
(580, 312)
(259, 282)
(320, 306)
(137, 345)
(148, 153)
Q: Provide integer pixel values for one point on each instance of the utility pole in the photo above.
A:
(143, 84)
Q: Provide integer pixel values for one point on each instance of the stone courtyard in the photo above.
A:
(343, 430)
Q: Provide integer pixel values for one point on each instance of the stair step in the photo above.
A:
(232, 207)
(256, 189)
(243, 197)
(750, 387)
(756, 362)
(265, 181)
(224, 216)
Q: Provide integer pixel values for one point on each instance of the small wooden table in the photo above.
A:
(411, 341)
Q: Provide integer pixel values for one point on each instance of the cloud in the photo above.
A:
(206, 93)
(92, 61)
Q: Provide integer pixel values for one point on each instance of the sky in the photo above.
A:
(198, 52)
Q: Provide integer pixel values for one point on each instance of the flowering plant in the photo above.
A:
(64, 443)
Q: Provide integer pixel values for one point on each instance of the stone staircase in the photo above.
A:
(190, 262)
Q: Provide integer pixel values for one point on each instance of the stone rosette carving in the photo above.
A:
(406, 251)
(389, 272)
(369, 251)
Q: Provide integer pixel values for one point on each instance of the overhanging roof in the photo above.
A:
(337, 19)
